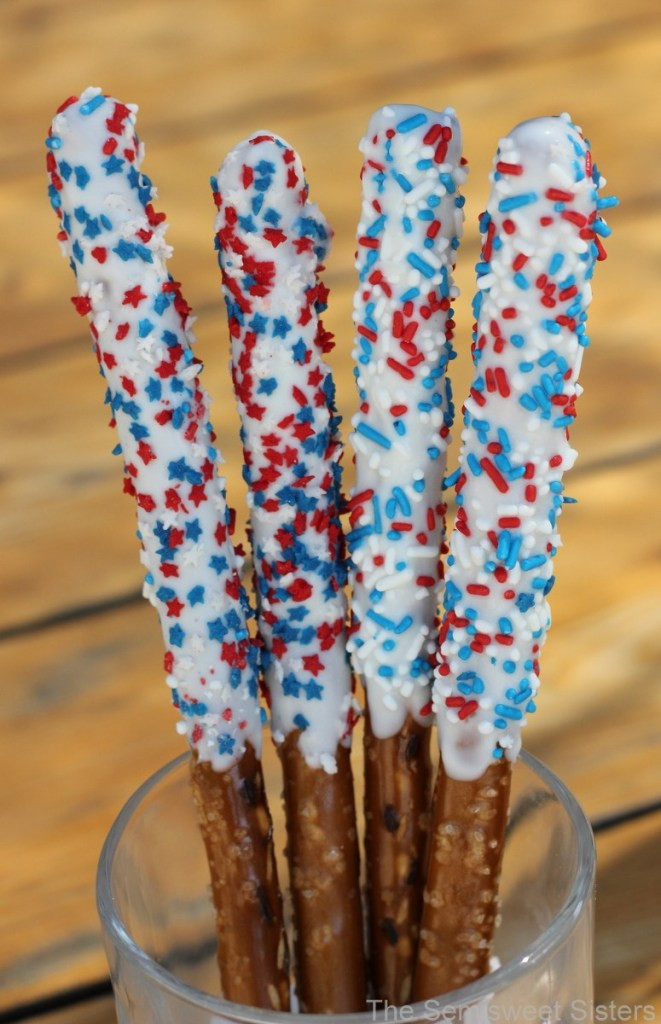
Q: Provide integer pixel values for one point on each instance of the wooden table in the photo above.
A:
(85, 716)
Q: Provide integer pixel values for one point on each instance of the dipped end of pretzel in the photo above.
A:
(236, 827)
(397, 780)
(461, 893)
(322, 848)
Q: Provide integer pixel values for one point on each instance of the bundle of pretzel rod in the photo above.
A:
(432, 890)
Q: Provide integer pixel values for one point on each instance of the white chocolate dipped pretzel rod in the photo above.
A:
(408, 236)
(271, 241)
(541, 238)
(141, 328)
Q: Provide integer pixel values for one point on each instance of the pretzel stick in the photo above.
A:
(540, 242)
(408, 235)
(323, 857)
(141, 328)
(271, 241)
(397, 775)
(236, 827)
(461, 899)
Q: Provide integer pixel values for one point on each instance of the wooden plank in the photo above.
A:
(486, 89)
(294, 61)
(88, 703)
(628, 922)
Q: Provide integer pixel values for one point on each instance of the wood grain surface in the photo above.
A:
(85, 715)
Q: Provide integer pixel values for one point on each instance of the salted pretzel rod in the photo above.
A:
(271, 241)
(408, 235)
(540, 240)
(141, 326)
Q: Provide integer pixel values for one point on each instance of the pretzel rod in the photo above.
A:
(540, 240)
(408, 235)
(323, 856)
(397, 783)
(271, 241)
(236, 827)
(141, 328)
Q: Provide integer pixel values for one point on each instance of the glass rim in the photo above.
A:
(538, 950)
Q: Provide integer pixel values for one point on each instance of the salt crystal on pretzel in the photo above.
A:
(141, 325)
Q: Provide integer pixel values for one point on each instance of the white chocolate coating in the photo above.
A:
(271, 240)
(141, 324)
(539, 249)
(408, 235)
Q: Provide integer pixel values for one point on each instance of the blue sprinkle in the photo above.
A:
(402, 181)
(177, 635)
(503, 437)
(601, 228)
(474, 464)
(375, 228)
(515, 547)
(532, 562)
(300, 721)
(91, 105)
(507, 712)
(376, 511)
(418, 263)
(402, 500)
(381, 620)
(503, 548)
(385, 671)
(521, 281)
(409, 123)
(374, 435)
(518, 340)
(514, 202)
(113, 164)
(403, 625)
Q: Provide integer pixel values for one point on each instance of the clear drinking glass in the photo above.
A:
(158, 922)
